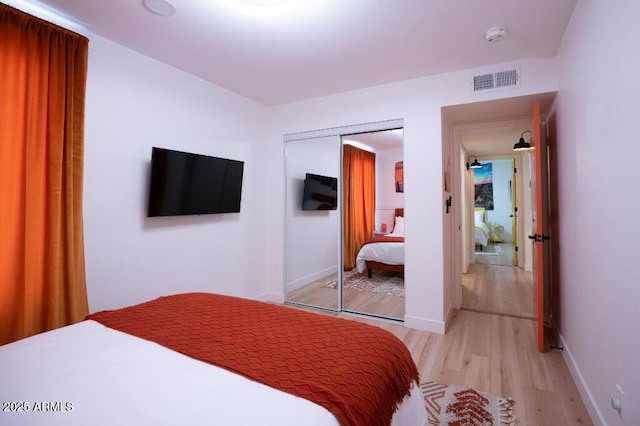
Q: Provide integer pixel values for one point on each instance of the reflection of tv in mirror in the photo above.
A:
(320, 192)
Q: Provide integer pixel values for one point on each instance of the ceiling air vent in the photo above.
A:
(496, 81)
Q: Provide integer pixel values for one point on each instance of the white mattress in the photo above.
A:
(389, 253)
(90, 374)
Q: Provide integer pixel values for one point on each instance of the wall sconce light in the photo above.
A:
(522, 145)
(475, 164)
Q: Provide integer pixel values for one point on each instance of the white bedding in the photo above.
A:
(481, 228)
(482, 233)
(389, 253)
(87, 374)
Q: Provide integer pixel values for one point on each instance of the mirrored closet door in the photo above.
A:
(313, 222)
(345, 222)
(373, 223)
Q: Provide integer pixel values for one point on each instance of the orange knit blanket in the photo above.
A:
(358, 372)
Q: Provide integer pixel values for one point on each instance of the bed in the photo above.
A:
(384, 252)
(481, 229)
(206, 359)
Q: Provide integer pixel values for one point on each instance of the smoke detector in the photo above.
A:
(495, 34)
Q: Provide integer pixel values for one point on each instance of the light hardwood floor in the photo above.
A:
(494, 285)
(495, 353)
(490, 345)
(356, 301)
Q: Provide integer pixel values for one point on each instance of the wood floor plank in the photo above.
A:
(452, 357)
(543, 408)
(533, 368)
(505, 371)
(477, 342)
(477, 373)
(566, 390)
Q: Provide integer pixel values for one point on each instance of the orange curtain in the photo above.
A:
(359, 206)
(43, 72)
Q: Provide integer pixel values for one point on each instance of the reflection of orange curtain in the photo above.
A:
(359, 194)
(42, 90)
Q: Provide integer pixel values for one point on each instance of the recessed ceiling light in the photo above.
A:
(160, 7)
(264, 2)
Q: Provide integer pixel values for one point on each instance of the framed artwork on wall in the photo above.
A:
(399, 177)
(483, 183)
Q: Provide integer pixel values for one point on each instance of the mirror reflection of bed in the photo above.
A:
(379, 273)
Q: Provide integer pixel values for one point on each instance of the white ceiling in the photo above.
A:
(490, 129)
(324, 47)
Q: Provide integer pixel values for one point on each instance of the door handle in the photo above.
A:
(539, 238)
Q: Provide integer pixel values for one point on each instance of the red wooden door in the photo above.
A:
(539, 226)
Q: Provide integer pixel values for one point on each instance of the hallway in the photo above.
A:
(493, 286)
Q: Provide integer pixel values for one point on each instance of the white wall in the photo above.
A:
(598, 150)
(132, 104)
(419, 103)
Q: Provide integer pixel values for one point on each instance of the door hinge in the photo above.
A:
(515, 170)
(515, 209)
(516, 248)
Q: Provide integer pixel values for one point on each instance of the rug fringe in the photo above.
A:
(507, 416)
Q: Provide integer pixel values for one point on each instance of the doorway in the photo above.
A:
(494, 282)
(488, 131)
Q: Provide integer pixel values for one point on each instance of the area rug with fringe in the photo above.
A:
(381, 282)
(454, 405)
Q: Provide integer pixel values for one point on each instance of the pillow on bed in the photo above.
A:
(479, 216)
(398, 229)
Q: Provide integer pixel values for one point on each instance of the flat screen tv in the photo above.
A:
(320, 192)
(192, 184)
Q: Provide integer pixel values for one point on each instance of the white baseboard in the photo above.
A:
(424, 324)
(583, 389)
(447, 317)
(271, 297)
(301, 282)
